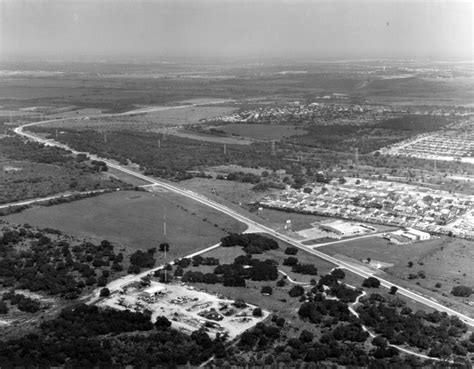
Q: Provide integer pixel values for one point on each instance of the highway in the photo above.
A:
(253, 225)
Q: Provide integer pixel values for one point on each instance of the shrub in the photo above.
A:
(462, 291)
(104, 292)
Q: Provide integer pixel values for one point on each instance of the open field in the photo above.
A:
(262, 131)
(443, 260)
(134, 220)
(235, 192)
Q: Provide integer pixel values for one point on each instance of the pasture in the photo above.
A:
(135, 220)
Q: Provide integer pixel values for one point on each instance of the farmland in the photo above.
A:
(134, 220)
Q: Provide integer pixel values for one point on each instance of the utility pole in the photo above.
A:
(105, 137)
(164, 233)
(159, 143)
(225, 149)
(273, 148)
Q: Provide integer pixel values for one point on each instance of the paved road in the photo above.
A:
(253, 225)
(53, 197)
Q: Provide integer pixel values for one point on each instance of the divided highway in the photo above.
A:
(253, 225)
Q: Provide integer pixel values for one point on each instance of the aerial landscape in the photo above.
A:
(236, 184)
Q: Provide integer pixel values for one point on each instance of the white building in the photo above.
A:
(153, 291)
(421, 236)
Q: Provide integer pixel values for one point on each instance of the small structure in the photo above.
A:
(154, 291)
(411, 235)
(10, 169)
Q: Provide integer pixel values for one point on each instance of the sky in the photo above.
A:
(238, 29)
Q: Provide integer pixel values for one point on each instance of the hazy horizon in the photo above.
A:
(237, 29)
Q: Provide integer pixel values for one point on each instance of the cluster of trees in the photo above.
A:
(435, 333)
(86, 336)
(24, 303)
(371, 282)
(233, 275)
(291, 250)
(308, 269)
(55, 267)
(142, 259)
(317, 310)
(252, 243)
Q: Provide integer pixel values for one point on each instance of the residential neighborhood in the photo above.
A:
(379, 202)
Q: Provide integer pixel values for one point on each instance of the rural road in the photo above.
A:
(255, 226)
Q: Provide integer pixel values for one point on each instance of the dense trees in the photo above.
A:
(252, 243)
(48, 262)
(86, 336)
(400, 325)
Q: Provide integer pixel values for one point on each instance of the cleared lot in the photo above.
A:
(189, 309)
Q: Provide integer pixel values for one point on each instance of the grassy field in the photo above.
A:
(262, 131)
(232, 191)
(134, 220)
(443, 260)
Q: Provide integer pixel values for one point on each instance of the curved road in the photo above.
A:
(253, 225)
